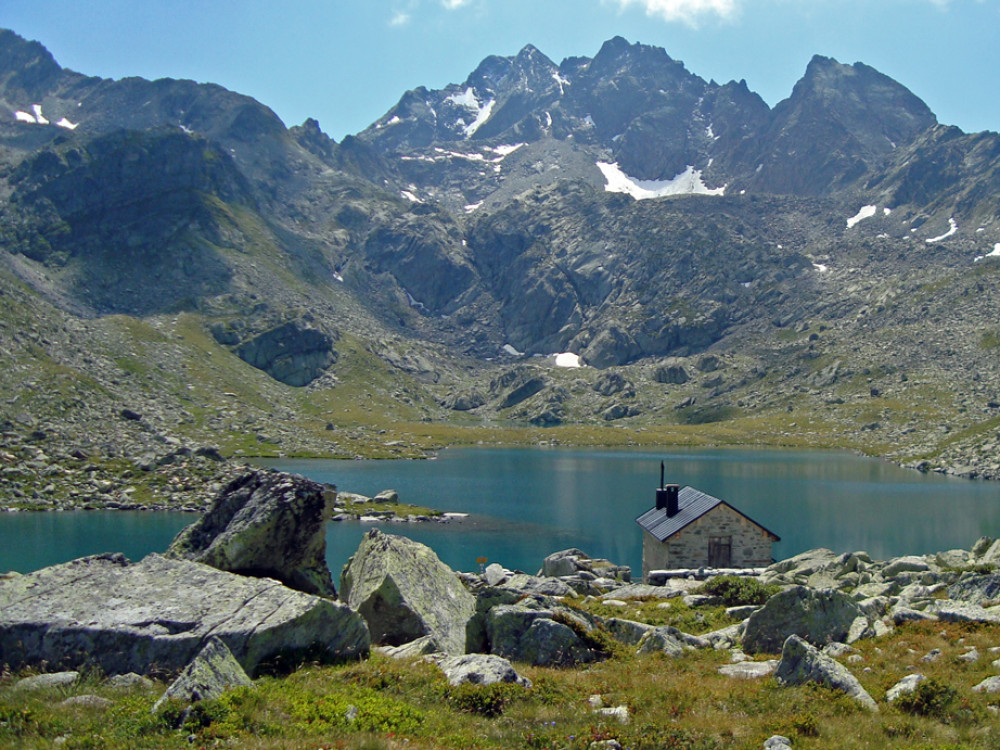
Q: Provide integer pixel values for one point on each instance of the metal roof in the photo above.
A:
(692, 505)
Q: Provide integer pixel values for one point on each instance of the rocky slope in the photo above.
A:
(820, 273)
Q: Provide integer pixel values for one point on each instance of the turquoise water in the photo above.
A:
(526, 503)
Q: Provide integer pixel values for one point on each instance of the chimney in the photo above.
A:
(666, 496)
(666, 499)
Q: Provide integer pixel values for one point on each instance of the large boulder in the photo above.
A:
(404, 592)
(107, 612)
(212, 672)
(801, 663)
(817, 616)
(976, 589)
(265, 524)
(530, 633)
(294, 353)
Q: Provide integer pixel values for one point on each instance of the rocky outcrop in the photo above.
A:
(269, 524)
(109, 613)
(819, 617)
(212, 672)
(404, 592)
(802, 663)
(294, 353)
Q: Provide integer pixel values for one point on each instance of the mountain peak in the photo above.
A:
(26, 68)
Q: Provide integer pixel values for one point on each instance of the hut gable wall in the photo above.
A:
(689, 547)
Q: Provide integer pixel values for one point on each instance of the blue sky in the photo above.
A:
(345, 62)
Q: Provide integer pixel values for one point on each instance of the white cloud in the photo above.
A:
(453, 4)
(686, 11)
(691, 11)
(399, 18)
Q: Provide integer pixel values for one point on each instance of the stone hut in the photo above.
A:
(689, 529)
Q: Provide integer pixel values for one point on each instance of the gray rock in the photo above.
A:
(910, 564)
(95, 702)
(627, 631)
(537, 586)
(801, 663)
(741, 612)
(212, 672)
(495, 574)
(906, 685)
(571, 562)
(47, 681)
(958, 612)
(749, 670)
(523, 634)
(404, 592)
(976, 589)
(989, 685)
(480, 669)
(817, 616)
(618, 713)
(933, 655)
(900, 615)
(661, 641)
(726, 637)
(129, 681)
(420, 647)
(969, 657)
(124, 617)
(777, 742)
(388, 497)
(644, 591)
(266, 524)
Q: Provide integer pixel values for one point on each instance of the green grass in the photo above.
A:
(673, 703)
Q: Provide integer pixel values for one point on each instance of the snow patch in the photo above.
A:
(39, 119)
(410, 196)
(688, 182)
(994, 254)
(952, 228)
(414, 303)
(468, 100)
(821, 267)
(505, 151)
(589, 121)
(472, 207)
(568, 359)
(886, 211)
(563, 82)
(866, 212)
(338, 277)
(507, 348)
(711, 133)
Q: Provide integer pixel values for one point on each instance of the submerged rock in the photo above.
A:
(107, 612)
(265, 524)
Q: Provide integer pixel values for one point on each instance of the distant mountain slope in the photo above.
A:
(617, 207)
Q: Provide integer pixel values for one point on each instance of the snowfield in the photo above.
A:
(688, 182)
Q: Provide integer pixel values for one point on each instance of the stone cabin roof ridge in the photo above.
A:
(692, 505)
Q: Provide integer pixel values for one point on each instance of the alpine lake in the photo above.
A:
(524, 504)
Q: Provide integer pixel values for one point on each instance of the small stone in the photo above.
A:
(906, 685)
(970, 656)
(777, 742)
(931, 655)
(620, 713)
(47, 681)
(989, 685)
(87, 701)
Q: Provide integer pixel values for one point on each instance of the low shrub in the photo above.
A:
(930, 698)
(736, 591)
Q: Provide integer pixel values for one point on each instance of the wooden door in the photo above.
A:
(720, 552)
